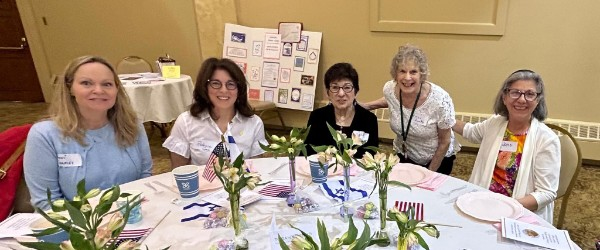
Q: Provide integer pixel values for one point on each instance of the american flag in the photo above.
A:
(209, 171)
(403, 206)
(133, 235)
(276, 190)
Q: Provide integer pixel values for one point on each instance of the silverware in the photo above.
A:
(154, 228)
(453, 190)
(165, 186)
(456, 198)
(149, 185)
(278, 168)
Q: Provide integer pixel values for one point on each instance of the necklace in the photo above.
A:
(341, 120)
(412, 112)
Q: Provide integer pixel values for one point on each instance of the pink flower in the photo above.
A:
(503, 159)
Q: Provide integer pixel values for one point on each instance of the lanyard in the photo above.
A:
(412, 112)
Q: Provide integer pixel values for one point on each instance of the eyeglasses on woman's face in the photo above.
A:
(347, 88)
(216, 84)
(516, 94)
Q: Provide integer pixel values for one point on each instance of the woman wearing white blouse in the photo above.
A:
(220, 108)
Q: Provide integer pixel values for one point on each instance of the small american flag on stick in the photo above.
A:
(403, 206)
(209, 171)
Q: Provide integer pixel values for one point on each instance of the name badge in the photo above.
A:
(69, 160)
(420, 120)
(205, 146)
(364, 137)
(509, 146)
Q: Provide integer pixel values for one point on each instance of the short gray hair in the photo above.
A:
(410, 53)
(541, 111)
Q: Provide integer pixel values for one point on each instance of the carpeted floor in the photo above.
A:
(582, 218)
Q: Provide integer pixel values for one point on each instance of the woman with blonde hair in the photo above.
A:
(92, 133)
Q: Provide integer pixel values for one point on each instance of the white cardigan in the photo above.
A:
(539, 170)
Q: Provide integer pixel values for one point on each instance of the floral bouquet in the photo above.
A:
(408, 235)
(381, 164)
(290, 147)
(343, 153)
(349, 238)
(235, 176)
(83, 225)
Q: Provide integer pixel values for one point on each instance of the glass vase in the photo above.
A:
(404, 243)
(291, 199)
(240, 240)
(346, 210)
(382, 233)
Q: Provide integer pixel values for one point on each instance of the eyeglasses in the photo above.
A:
(216, 84)
(347, 88)
(516, 94)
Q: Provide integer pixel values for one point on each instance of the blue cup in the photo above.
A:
(42, 224)
(318, 173)
(135, 214)
(187, 180)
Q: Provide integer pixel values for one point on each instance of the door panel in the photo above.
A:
(18, 78)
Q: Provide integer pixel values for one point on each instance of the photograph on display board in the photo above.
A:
(257, 48)
(296, 93)
(307, 101)
(254, 74)
(254, 94)
(238, 37)
(287, 49)
(303, 44)
(268, 95)
(313, 56)
(282, 96)
(270, 74)
(285, 75)
(299, 63)
(307, 80)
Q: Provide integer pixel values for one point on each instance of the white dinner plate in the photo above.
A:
(303, 168)
(410, 174)
(489, 206)
(204, 184)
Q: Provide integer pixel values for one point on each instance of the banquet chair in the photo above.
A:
(570, 164)
(266, 110)
(133, 64)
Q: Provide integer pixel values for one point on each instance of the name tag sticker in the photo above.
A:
(420, 120)
(509, 146)
(69, 160)
(205, 146)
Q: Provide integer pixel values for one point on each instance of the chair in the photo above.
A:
(133, 64)
(570, 164)
(266, 110)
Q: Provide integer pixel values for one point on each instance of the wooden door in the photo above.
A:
(18, 78)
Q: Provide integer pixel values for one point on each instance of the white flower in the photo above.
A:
(393, 159)
(274, 146)
(331, 151)
(274, 138)
(351, 152)
(86, 208)
(293, 140)
(92, 193)
(102, 237)
(323, 157)
(59, 203)
(231, 174)
(356, 140)
(298, 142)
(282, 139)
(290, 150)
(106, 196)
(66, 245)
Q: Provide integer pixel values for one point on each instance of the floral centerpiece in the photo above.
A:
(235, 176)
(84, 222)
(408, 235)
(343, 153)
(290, 147)
(381, 164)
(350, 238)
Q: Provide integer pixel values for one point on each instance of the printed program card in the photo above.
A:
(171, 71)
(534, 234)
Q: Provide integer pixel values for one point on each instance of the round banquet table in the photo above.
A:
(158, 100)
(438, 208)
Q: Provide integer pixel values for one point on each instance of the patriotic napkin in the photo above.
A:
(276, 190)
(131, 234)
(434, 182)
(335, 189)
(403, 206)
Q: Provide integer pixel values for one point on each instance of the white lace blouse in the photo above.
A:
(436, 112)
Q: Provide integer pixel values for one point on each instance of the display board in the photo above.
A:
(283, 73)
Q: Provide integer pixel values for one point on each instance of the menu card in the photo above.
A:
(17, 225)
(534, 234)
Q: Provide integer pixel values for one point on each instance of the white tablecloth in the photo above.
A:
(439, 208)
(159, 100)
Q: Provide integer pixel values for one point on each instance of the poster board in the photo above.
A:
(283, 73)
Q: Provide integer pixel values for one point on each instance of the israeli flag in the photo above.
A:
(234, 151)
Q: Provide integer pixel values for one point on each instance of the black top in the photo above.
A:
(319, 135)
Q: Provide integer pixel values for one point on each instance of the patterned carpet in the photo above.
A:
(582, 218)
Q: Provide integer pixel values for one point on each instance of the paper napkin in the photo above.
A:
(403, 206)
(531, 219)
(434, 182)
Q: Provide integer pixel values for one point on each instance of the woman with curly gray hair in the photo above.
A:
(421, 113)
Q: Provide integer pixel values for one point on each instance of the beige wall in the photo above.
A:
(559, 40)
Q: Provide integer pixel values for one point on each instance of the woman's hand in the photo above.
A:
(377, 104)
(440, 152)
(178, 160)
(529, 202)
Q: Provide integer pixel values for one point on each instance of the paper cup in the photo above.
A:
(187, 180)
(318, 173)
(135, 214)
(42, 224)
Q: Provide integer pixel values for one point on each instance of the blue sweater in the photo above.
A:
(57, 163)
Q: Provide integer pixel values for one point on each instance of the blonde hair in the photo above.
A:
(64, 110)
(410, 53)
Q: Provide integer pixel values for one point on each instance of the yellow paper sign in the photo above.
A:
(171, 71)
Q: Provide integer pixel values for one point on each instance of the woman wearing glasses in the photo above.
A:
(220, 109)
(421, 113)
(519, 156)
(341, 82)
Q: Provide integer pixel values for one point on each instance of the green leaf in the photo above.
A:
(81, 188)
(265, 147)
(352, 233)
(319, 148)
(365, 237)
(64, 226)
(238, 162)
(332, 131)
(282, 243)
(76, 216)
(346, 157)
(373, 148)
(294, 133)
(79, 242)
(41, 245)
(45, 232)
(323, 237)
(307, 237)
(422, 241)
(397, 183)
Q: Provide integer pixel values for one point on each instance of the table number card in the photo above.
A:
(171, 71)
